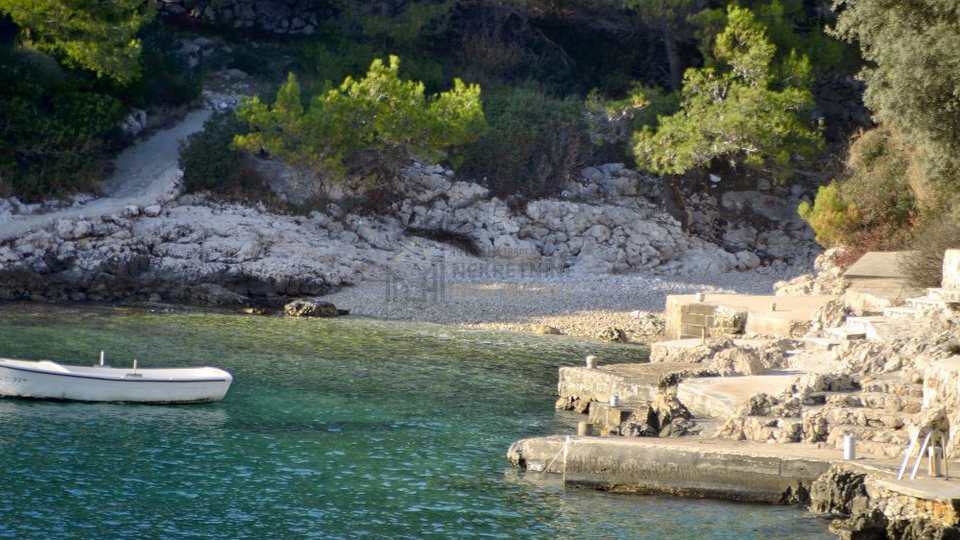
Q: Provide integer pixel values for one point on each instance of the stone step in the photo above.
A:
(865, 433)
(947, 295)
(820, 344)
(886, 328)
(879, 449)
(895, 387)
(841, 333)
(891, 402)
(903, 313)
(863, 325)
(861, 416)
(928, 304)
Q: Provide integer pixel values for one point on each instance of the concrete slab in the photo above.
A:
(719, 397)
(779, 316)
(929, 489)
(886, 329)
(877, 264)
(868, 296)
(629, 382)
(814, 361)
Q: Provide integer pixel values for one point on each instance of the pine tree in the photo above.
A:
(745, 109)
(367, 127)
(100, 36)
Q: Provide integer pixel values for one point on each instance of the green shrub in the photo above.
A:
(833, 219)
(747, 110)
(878, 182)
(367, 128)
(534, 142)
(873, 206)
(55, 132)
(211, 162)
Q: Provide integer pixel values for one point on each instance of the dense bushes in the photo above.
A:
(211, 162)
(59, 123)
(54, 131)
(366, 129)
(872, 206)
(923, 265)
(532, 145)
(909, 175)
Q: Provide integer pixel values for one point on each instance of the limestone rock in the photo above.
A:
(835, 491)
(547, 330)
(310, 308)
(613, 335)
(829, 315)
(650, 325)
(826, 280)
(739, 361)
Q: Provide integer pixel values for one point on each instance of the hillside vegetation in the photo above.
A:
(518, 94)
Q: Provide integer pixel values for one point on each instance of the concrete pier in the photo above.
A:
(689, 467)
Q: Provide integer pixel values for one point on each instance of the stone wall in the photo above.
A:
(278, 16)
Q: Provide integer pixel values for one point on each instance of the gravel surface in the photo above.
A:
(577, 305)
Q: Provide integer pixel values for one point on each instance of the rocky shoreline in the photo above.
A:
(445, 251)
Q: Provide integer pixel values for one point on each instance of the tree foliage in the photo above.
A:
(914, 53)
(904, 175)
(915, 50)
(833, 218)
(366, 127)
(745, 109)
(52, 135)
(97, 35)
(533, 144)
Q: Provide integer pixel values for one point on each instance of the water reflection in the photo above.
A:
(31, 412)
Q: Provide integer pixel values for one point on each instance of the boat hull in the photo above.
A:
(49, 380)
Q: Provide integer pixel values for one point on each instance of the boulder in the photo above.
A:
(738, 361)
(310, 308)
(613, 335)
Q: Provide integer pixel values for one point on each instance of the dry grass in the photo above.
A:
(924, 265)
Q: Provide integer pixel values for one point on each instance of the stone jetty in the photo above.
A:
(763, 412)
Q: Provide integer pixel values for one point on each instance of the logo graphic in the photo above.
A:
(424, 279)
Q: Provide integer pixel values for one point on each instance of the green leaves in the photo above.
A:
(912, 83)
(744, 110)
(832, 218)
(744, 47)
(100, 36)
(367, 127)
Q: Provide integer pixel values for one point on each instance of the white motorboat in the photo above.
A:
(44, 379)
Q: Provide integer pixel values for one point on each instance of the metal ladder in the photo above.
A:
(936, 436)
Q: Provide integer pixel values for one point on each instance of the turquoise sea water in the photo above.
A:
(345, 428)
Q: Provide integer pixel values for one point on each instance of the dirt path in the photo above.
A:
(145, 172)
